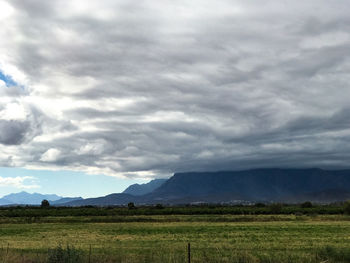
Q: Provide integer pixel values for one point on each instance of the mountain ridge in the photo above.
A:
(29, 198)
(142, 189)
(255, 185)
(25, 198)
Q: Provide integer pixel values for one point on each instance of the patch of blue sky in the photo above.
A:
(8, 80)
(65, 183)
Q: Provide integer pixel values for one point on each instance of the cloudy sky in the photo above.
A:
(106, 93)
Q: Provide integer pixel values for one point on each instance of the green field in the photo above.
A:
(164, 238)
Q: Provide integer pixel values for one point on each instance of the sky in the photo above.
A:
(105, 93)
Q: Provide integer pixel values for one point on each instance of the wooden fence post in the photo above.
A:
(90, 254)
(189, 252)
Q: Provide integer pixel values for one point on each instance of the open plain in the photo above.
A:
(164, 238)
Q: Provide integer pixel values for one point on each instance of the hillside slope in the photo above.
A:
(142, 189)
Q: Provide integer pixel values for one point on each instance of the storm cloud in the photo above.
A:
(148, 88)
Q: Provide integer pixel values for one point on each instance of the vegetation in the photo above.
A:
(45, 203)
(131, 209)
(160, 234)
(159, 206)
(272, 238)
(347, 207)
(276, 208)
(67, 255)
(131, 205)
(306, 204)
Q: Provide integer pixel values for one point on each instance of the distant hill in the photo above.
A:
(64, 200)
(112, 199)
(258, 185)
(142, 189)
(29, 199)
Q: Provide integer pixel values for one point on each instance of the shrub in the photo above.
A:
(347, 207)
(159, 206)
(131, 205)
(276, 208)
(45, 203)
(260, 205)
(307, 204)
(331, 254)
(61, 255)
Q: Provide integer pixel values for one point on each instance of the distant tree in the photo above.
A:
(131, 205)
(276, 208)
(307, 204)
(159, 206)
(45, 203)
(347, 207)
(260, 205)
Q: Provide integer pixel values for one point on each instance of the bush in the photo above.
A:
(347, 207)
(331, 254)
(276, 208)
(68, 255)
(159, 206)
(45, 203)
(306, 205)
(131, 205)
(259, 205)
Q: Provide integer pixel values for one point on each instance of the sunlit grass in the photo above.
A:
(290, 239)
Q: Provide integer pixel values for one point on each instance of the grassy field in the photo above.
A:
(164, 238)
(32, 211)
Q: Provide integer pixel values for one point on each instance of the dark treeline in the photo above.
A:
(258, 209)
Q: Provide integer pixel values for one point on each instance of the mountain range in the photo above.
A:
(257, 185)
(24, 198)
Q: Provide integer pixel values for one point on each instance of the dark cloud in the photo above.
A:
(128, 88)
(12, 132)
(16, 131)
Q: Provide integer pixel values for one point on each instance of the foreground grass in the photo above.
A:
(283, 238)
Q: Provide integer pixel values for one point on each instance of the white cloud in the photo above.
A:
(20, 182)
(6, 10)
(13, 111)
(2, 84)
(51, 155)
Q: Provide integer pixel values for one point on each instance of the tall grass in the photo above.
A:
(69, 254)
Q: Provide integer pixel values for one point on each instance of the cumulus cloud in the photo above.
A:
(147, 88)
(20, 182)
(51, 155)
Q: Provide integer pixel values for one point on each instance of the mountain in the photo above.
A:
(112, 199)
(142, 189)
(264, 185)
(64, 200)
(30, 199)
(5, 202)
(258, 185)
